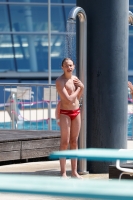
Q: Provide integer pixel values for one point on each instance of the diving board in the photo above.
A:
(76, 188)
(98, 154)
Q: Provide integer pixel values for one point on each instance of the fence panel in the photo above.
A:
(28, 106)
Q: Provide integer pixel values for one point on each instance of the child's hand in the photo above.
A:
(130, 85)
(78, 83)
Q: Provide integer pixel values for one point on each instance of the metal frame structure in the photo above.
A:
(49, 33)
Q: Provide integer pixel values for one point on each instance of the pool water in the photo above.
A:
(130, 125)
(43, 125)
(31, 125)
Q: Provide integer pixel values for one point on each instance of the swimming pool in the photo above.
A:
(43, 125)
(31, 125)
(130, 125)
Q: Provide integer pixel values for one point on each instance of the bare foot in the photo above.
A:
(64, 176)
(76, 175)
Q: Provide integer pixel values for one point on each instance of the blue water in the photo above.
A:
(43, 125)
(130, 125)
(30, 125)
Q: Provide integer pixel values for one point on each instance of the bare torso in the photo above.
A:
(70, 88)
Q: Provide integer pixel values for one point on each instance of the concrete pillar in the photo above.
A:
(107, 73)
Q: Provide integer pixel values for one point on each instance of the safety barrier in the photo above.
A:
(32, 107)
(28, 106)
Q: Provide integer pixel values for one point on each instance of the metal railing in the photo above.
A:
(28, 106)
(32, 107)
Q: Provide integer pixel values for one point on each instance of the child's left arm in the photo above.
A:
(78, 83)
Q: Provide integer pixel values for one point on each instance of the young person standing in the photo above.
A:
(70, 90)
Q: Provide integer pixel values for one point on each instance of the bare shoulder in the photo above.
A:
(59, 82)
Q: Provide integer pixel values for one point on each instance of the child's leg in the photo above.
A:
(64, 140)
(74, 134)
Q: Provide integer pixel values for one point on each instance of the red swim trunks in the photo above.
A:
(71, 113)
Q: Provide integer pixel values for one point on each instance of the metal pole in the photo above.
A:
(78, 11)
(14, 111)
(49, 62)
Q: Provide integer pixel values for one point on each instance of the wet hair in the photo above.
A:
(65, 60)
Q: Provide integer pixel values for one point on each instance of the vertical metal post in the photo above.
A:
(78, 11)
(83, 77)
(14, 111)
(4, 107)
(37, 108)
(49, 61)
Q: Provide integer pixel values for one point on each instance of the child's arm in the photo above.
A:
(65, 97)
(78, 83)
(57, 113)
(130, 85)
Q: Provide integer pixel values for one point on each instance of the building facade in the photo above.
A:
(32, 39)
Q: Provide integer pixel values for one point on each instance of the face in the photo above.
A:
(68, 66)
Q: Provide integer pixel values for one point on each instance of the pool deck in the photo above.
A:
(45, 168)
(22, 144)
(26, 144)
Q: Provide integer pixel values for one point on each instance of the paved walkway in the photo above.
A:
(45, 168)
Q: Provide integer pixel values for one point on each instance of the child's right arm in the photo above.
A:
(57, 113)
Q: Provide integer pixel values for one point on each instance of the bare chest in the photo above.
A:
(70, 87)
